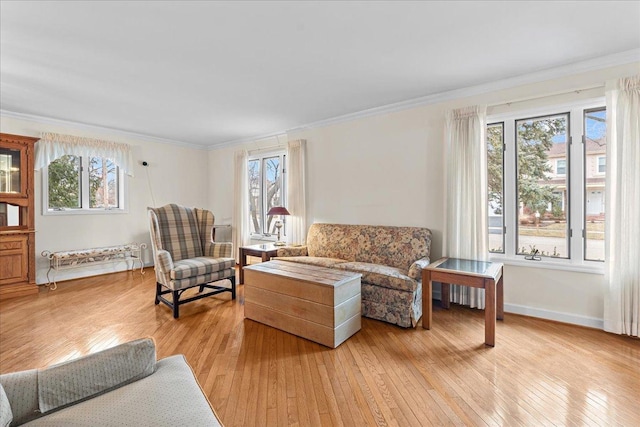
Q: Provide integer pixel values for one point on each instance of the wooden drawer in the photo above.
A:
(14, 259)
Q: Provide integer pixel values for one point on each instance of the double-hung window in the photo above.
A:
(75, 184)
(266, 190)
(546, 184)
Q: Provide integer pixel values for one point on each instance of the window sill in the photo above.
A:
(114, 211)
(594, 267)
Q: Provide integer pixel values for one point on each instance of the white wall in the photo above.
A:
(388, 169)
(176, 175)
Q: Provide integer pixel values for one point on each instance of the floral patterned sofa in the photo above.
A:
(390, 259)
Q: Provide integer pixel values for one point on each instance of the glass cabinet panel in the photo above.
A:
(9, 215)
(10, 180)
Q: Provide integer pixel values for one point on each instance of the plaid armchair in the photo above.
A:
(186, 256)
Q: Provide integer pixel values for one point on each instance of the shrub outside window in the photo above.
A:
(73, 184)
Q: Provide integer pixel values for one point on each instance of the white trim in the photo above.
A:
(100, 129)
(591, 267)
(123, 195)
(616, 59)
(574, 319)
(557, 316)
(620, 58)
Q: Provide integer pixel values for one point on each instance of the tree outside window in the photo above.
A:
(70, 188)
(266, 190)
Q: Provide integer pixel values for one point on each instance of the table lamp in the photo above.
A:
(278, 210)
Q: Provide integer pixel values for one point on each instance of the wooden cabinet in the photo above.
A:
(17, 216)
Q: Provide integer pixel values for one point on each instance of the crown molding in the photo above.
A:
(595, 64)
(620, 58)
(95, 128)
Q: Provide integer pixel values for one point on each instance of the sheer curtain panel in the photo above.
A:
(240, 230)
(466, 195)
(622, 296)
(296, 191)
(52, 146)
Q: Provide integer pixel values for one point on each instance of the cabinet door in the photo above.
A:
(13, 170)
(14, 259)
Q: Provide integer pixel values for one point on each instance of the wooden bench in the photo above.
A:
(65, 260)
(317, 303)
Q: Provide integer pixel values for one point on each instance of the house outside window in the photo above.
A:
(266, 190)
(74, 184)
(548, 195)
(602, 164)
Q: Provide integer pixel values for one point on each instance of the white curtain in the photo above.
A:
(466, 206)
(296, 191)
(240, 229)
(52, 146)
(622, 296)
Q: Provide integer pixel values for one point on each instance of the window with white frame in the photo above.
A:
(541, 186)
(266, 190)
(75, 184)
(602, 164)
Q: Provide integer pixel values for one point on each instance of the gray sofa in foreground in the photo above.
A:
(389, 258)
(120, 386)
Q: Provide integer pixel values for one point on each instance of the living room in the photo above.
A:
(380, 165)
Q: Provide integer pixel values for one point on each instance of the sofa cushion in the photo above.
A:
(312, 260)
(21, 389)
(381, 275)
(169, 397)
(76, 380)
(6, 416)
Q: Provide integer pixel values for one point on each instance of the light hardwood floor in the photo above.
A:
(540, 373)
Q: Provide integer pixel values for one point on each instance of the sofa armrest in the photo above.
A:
(21, 389)
(76, 380)
(292, 251)
(415, 271)
(221, 250)
(164, 262)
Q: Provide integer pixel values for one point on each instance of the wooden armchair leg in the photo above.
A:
(233, 286)
(176, 303)
(158, 290)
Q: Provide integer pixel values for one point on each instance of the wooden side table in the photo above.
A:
(263, 251)
(477, 274)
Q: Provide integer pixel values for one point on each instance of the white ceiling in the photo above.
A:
(213, 73)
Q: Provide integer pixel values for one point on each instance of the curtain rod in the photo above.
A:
(268, 148)
(564, 92)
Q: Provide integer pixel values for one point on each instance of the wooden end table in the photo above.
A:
(263, 251)
(477, 274)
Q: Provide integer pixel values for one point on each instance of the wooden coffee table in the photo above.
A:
(317, 303)
(477, 274)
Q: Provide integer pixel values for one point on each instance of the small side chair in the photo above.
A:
(185, 255)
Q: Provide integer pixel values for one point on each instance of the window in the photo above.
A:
(74, 184)
(543, 196)
(495, 176)
(595, 150)
(266, 190)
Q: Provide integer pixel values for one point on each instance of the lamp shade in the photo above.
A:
(278, 210)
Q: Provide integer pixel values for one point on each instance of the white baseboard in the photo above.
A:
(574, 319)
